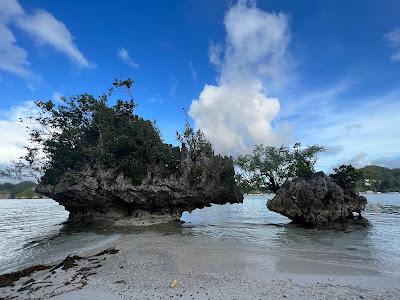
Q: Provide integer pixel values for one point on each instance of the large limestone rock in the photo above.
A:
(96, 193)
(316, 201)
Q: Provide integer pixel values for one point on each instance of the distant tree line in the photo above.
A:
(22, 190)
(379, 179)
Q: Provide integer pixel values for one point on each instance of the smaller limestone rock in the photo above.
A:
(316, 201)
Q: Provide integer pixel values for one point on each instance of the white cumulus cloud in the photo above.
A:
(235, 114)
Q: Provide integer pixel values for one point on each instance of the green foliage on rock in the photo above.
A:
(88, 130)
(195, 144)
(347, 177)
(194, 141)
(267, 167)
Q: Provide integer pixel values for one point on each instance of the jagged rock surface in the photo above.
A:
(97, 193)
(316, 201)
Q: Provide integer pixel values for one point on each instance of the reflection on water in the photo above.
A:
(31, 231)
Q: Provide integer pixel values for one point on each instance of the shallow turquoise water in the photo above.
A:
(31, 232)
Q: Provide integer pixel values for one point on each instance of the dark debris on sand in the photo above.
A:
(10, 278)
(69, 262)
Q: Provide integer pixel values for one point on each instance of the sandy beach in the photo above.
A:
(161, 265)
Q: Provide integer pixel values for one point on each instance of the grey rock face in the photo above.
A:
(96, 193)
(316, 201)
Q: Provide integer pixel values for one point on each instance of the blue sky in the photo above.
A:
(270, 72)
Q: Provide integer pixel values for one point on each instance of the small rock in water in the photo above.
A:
(316, 201)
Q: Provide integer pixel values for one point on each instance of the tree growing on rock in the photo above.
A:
(347, 177)
(268, 167)
(195, 141)
(87, 130)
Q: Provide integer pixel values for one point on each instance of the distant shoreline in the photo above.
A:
(371, 192)
(24, 198)
(363, 193)
(21, 190)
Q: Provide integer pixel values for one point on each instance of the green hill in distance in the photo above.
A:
(379, 179)
(22, 190)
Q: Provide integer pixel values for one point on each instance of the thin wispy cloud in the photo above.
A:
(155, 100)
(389, 162)
(173, 88)
(43, 28)
(358, 161)
(393, 37)
(393, 41)
(124, 56)
(192, 71)
(169, 95)
(314, 104)
(235, 114)
(353, 130)
(31, 87)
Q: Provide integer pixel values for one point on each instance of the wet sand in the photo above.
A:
(148, 262)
